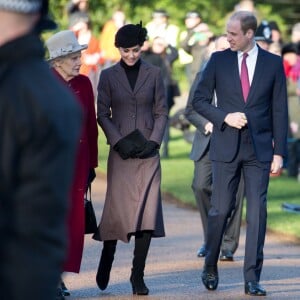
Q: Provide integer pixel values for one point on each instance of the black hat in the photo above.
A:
(263, 32)
(130, 35)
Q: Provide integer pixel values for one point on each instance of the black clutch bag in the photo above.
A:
(90, 216)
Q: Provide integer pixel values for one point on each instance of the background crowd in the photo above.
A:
(181, 50)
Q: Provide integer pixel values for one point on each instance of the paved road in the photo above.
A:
(174, 272)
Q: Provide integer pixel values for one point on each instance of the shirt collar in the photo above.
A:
(252, 52)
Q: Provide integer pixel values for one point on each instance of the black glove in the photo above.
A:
(150, 150)
(125, 148)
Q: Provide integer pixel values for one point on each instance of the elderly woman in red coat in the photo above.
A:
(65, 58)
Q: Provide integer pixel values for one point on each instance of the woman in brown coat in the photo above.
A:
(130, 97)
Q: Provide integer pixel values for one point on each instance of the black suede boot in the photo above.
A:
(106, 260)
(142, 243)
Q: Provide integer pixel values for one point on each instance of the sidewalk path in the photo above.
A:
(173, 270)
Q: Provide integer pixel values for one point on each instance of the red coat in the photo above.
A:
(87, 158)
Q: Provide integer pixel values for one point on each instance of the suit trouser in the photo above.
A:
(226, 177)
(202, 187)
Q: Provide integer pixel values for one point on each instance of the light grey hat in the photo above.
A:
(63, 43)
(21, 6)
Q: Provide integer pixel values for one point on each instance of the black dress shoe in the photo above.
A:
(226, 255)
(253, 288)
(210, 278)
(202, 251)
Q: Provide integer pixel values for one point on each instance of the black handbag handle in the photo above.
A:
(89, 193)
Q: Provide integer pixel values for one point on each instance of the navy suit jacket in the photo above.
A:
(265, 108)
(201, 139)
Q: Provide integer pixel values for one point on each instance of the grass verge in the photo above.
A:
(177, 174)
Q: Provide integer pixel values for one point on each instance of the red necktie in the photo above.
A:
(244, 77)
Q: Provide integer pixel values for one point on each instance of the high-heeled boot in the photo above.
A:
(142, 243)
(106, 260)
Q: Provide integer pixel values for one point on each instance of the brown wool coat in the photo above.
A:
(133, 198)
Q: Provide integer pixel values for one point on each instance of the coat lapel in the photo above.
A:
(142, 77)
(236, 75)
(122, 78)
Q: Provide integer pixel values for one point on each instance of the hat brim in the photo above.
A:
(261, 39)
(77, 49)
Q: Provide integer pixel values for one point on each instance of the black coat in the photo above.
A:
(39, 127)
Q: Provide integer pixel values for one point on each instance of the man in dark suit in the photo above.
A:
(202, 181)
(249, 137)
(40, 124)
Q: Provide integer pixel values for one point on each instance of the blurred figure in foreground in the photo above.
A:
(65, 59)
(40, 125)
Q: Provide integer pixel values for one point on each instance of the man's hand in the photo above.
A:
(208, 128)
(277, 164)
(237, 120)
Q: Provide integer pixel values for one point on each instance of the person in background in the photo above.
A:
(75, 6)
(169, 55)
(295, 39)
(202, 181)
(295, 34)
(251, 119)
(160, 26)
(110, 54)
(192, 19)
(65, 60)
(195, 43)
(276, 34)
(263, 35)
(40, 125)
(289, 55)
(91, 58)
(133, 113)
